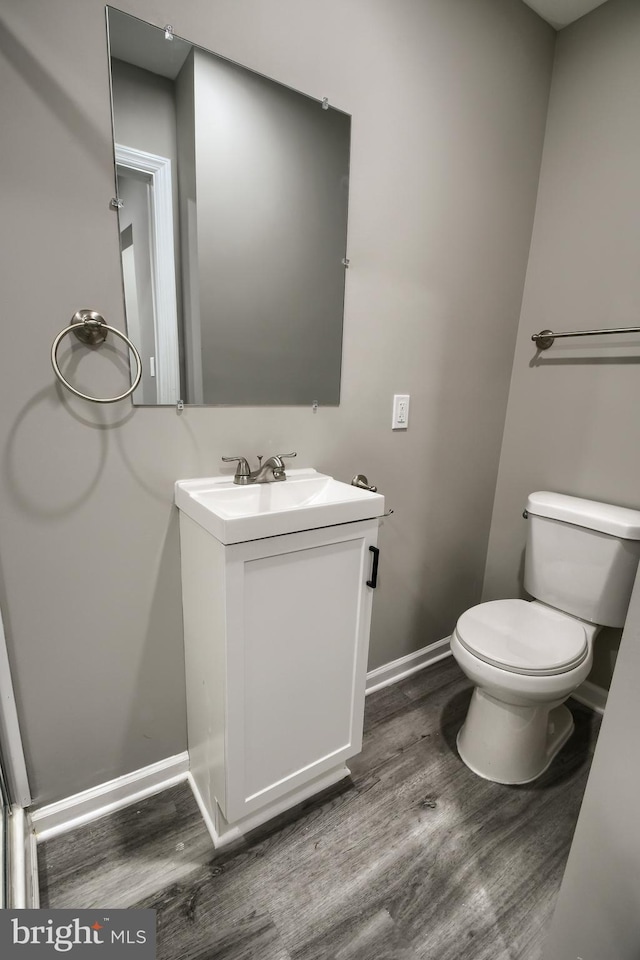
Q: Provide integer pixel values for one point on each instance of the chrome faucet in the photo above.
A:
(272, 469)
(268, 472)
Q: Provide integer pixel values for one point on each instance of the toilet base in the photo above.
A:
(512, 744)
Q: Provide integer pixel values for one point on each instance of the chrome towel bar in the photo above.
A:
(545, 338)
(91, 328)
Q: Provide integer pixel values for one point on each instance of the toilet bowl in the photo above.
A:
(526, 658)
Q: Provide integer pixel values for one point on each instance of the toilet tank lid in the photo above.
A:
(604, 517)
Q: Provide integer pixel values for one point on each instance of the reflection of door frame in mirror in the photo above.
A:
(158, 169)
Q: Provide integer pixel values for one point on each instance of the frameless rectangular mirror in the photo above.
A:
(232, 192)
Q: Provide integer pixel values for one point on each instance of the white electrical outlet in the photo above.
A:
(400, 411)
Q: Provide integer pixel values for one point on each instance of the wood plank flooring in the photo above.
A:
(414, 858)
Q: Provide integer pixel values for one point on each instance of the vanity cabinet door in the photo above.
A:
(298, 614)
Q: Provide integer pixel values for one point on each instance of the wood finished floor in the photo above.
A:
(414, 858)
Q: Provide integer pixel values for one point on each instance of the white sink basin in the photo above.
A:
(304, 501)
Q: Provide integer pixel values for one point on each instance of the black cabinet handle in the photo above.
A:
(374, 568)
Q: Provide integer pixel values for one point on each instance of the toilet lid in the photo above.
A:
(523, 637)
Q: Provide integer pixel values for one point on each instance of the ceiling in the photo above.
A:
(559, 13)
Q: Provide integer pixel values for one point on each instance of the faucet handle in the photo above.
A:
(242, 470)
(285, 456)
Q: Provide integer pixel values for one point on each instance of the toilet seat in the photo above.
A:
(523, 637)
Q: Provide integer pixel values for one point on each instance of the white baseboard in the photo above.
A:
(591, 695)
(396, 670)
(97, 802)
(81, 808)
(232, 832)
(208, 819)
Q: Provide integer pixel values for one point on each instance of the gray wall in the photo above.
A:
(144, 111)
(449, 103)
(597, 912)
(272, 182)
(572, 421)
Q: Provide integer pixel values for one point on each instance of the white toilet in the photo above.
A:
(527, 657)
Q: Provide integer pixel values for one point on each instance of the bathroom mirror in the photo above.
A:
(232, 192)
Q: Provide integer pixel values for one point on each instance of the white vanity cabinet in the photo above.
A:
(276, 640)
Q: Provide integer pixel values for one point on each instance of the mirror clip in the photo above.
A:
(168, 32)
(116, 203)
(325, 103)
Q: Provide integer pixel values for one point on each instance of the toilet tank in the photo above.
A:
(582, 556)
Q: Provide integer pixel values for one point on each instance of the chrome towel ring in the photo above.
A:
(91, 328)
